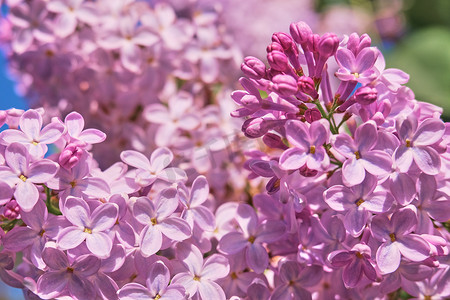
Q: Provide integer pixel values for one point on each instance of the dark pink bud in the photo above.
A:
(314, 42)
(11, 210)
(305, 171)
(366, 95)
(253, 67)
(284, 40)
(278, 60)
(306, 85)
(274, 46)
(284, 85)
(71, 155)
(254, 128)
(274, 141)
(300, 32)
(312, 114)
(328, 44)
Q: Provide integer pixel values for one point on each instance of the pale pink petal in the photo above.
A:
(427, 159)
(87, 14)
(26, 195)
(187, 281)
(157, 113)
(160, 159)
(144, 37)
(42, 171)
(99, 243)
(209, 68)
(257, 258)
(388, 257)
(204, 218)
(175, 228)
(191, 257)
(135, 159)
(71, 237)
(65, 24)
(52, 284)
(22, 40)
(133, 291)
(92, 136)
(414, 247)
(104, 217)
(216, 266)
(77, 211)
(19, 238)
(377, 162)
(131, 57)
(75, 124)
(16, 157)
(211, 290)
(199, 191)
(9, 136)
(293, 158)
(403, 158)
(173, 175)
(232, 243)
(144, 210)
(51, 133)
(353, 171)
(151, 240)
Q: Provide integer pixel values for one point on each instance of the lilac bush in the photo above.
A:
(340, 190)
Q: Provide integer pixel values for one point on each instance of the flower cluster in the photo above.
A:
(357, 169)
(144, 73)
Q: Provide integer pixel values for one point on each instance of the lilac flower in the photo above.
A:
(157, 286)
(356, 262)
(40, 228)
(416, 144)
(359, 68)
(194, 211)
(69, 13)
(199, 276)
(395, 234)
(360, 156)
(88, 226)
(31, 135)
(32, 21)
(128, 37)
(358, 202)
(308, 141)
(75, 124)
(24, 175)
(147, 171)
(430, 203)
(437, 286)
(67, 278)
(158, 220)
(176, 116)
(251, 237)
(77, 182)
(292, 280)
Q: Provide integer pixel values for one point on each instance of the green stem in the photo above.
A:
(51, 209)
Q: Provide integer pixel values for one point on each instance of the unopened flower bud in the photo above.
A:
(284, 40)
(366, 95)
(306, 85)
(274, 141)
(11, 210)
(274, 46)
(328, 44)
(278, 60)
(307, 172)
(71, 155)
(253, 67)
(284, 85)
(312, 114)
(254, 128)
(300, 32)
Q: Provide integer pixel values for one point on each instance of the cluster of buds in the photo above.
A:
(357, 168)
